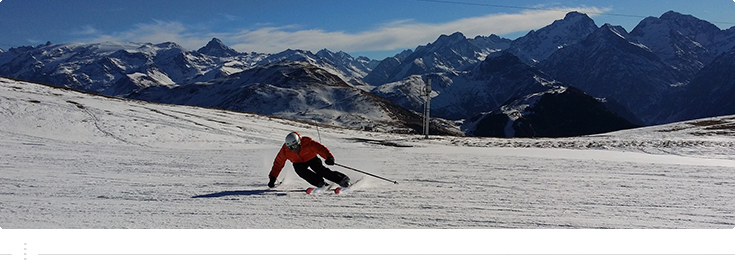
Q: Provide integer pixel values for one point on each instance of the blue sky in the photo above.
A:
(374, 28)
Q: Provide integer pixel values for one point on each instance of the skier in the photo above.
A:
(302, 152)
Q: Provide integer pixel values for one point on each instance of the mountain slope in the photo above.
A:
(449, 54)
(557, 112)
(607, 64)
(681, 41)
(120, 68)
(296, 90)
(711, 91)
(355, 67)
(485, 87)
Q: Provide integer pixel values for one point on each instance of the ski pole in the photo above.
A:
(366, 173)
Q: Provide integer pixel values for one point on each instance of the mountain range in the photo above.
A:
(669, 68)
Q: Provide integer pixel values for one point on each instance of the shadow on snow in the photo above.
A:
(245, 193)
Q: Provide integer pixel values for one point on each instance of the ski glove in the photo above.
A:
(272, 183)
(329, 161)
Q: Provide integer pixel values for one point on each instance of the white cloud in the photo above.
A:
(86, 30)
(389, 36)
(156, 32)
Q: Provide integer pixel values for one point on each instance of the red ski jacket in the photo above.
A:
(309, 150)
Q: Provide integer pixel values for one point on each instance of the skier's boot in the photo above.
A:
(345, 182)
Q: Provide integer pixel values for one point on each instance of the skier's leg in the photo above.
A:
(334, 176)
(302, 169)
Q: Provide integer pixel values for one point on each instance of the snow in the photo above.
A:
(75, 161)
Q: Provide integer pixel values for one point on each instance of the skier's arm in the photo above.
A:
(278, 163)
(322, 150)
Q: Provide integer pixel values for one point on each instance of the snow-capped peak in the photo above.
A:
(217, 48)
(682, 41)
(539, 45)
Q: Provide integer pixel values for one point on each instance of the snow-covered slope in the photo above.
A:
(295, 90)
(72, 160)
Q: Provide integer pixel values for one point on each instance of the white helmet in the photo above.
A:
(293, 141)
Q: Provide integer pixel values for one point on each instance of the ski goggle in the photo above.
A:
(293, 146)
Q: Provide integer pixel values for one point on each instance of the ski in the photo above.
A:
(340, 190)
(313, 190)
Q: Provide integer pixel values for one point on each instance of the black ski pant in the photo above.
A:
(317, 173)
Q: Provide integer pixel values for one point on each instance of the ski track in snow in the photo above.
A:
(71, 160)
